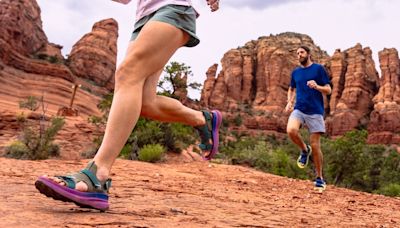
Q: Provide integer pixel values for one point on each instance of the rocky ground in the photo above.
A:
(191, 194)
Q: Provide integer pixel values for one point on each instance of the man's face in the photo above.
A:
(302, 56)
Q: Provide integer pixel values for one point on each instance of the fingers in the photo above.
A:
(214, 5)
(312, 84)
(288, 107)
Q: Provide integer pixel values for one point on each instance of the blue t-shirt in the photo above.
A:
(309, 101)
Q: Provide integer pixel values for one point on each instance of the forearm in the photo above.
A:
(324, 89)
(291, 95)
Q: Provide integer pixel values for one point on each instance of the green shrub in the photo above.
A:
(345, 158)
(21, 118)
(30, 103)
(17, 149)
(238, 120)
(151, 153)
(38, 144)
(178, 136)
(390, 190)
(126, 151)
(285, 165)
(96, 120)
(148, 132)
(390, 168)
(53, 59)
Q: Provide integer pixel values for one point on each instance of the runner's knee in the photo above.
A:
(131, 71)
(314, 142)
(292, 131)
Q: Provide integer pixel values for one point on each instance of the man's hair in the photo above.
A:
(307, 49)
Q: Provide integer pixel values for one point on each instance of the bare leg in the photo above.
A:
(316, 152)
(292, 129)
(152, 49)
(166, 109)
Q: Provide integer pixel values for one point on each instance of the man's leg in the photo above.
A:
(316, 125)
(292, 129)
(316, 153)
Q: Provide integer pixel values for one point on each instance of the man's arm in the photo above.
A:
(290, 99)
(326, 89)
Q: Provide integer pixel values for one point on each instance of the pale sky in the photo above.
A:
(331, 24)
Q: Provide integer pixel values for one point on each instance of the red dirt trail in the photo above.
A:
(195, 194)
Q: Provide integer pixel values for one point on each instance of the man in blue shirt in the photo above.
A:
(308, 83)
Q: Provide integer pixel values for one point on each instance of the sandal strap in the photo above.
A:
(68, 180)
(93, 179)
(205, 132)
(88, 176)
(205, 147)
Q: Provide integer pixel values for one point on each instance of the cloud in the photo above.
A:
(257, 4)
(66, 21)
(332, 24)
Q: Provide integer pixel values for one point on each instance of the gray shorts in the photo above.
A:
(315, 123)
(182, 17)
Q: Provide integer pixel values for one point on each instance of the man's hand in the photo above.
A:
(289, 107)
(214, 5)
(312, 84)
(326, 89)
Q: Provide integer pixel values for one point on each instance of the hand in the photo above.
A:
(122, 1)
(312, 84)
(289, 107)
(214, 5)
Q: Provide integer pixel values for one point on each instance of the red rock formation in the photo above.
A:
(337, 69)
(254, 80)
(384, 126)
(21, 26)
(94, 56)
(208, 85)
(256, 76)
(181, 89)
(31, 66)
(352, 109)
(248, 76)
(218, 95)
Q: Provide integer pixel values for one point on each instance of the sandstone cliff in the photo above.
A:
(252, 85)
(93, 57)
(254, 80)
(384, 125)
(354, 72)
(31, 66)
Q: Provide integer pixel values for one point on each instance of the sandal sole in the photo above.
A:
(53, 190)
(215, 134)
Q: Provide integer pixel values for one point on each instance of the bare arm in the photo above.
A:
(290, 99)
(325, 89)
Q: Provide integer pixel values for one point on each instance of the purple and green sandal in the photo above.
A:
(209, 133)
(96, 197)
